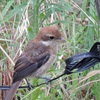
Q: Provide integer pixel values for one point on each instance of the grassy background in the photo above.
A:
(20, 21)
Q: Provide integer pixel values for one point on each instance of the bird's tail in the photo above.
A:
(10, 94)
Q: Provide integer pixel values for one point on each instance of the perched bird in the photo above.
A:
(37, 57)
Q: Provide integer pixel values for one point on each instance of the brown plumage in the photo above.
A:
(37, 57)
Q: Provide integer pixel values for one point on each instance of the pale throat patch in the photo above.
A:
(45, 43)
(49, 43)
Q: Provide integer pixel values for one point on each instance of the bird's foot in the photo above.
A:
(30, 87)
(46, 79)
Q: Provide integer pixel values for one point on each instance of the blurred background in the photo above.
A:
(20, 21)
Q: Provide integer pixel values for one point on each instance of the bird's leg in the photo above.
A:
(46, 79)
(29, 85)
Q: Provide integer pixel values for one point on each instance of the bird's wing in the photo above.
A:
(27, 68)
(29, 62)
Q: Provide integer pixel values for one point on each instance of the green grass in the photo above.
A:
(78, 21)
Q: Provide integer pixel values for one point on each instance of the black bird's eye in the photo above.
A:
(51, 37)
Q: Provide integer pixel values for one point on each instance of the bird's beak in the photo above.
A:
(62, 39)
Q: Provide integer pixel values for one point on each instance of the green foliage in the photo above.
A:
(20, 21)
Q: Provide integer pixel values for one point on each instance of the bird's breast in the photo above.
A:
(44, 67)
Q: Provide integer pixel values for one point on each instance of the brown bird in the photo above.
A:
(37, 57)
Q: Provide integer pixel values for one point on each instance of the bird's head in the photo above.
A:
(50, 36)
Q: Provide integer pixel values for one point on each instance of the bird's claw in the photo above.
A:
(47, 80)
(29, 86)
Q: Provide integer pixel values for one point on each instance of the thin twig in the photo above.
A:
(7, 55)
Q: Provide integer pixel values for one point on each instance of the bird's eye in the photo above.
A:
(51, 37)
